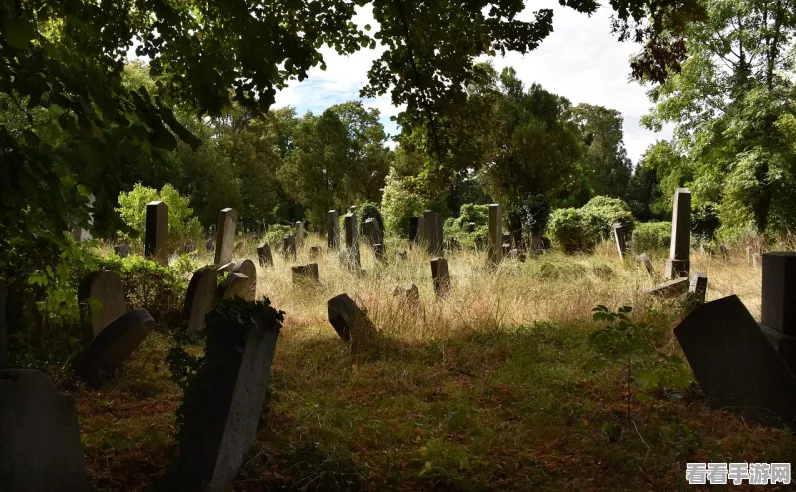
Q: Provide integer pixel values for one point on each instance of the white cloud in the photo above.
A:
(581, 60)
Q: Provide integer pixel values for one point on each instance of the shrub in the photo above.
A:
(398, 204)
(569, 230)
(183, 226)
(653, 235)
(456, 228)
(275, 234)
(603, 212)
(705, 221)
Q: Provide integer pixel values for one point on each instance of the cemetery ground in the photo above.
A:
(488, 388)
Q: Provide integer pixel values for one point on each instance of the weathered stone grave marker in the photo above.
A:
(228, 395)
(440, 276)
(401, 254)
(289, 247)
(430, 232)
(234, 285)
(157, 232)
(645, 259)
(619, 238)
(350, 322)
(247, 268)
(199, 298)
(469, 227)
(352, 241)
(188, 248)
(678, 264)
(409, 294)
(756, 260)
(264, 255)
(209, 245)
(315, 252)
(495, 234)
(113, 345)
(634, 241)
(305, 273)
(373, 231)
(40, 448)
(736, 367)
(749, 251)
(106, 288)
(698, 287)
(725, 252)
(332, 229)
(671, 288)
(413, 229)
(225, 237)
(122, 250)
(778, 304)
(299, 234)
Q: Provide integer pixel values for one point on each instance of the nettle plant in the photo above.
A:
(632, 347)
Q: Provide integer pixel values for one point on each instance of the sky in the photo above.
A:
(581, 60)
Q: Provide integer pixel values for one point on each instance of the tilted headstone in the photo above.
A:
(698, 287)
(199, 298)
(352, 241)
(106, 288)
(440, 276)
(736, 367)
(678, 264)
(672, 288)
(40, 448)
(645, 259)
(495, 234)
(315, 252)
(264, 255)
(332, 229)
(299, 234)
(228, 394)
(157, 232)
(225, 237)
(209, 245)
(409, 294)
(289, 247)
(619, 238)
(122, 250)
(350, 323)
(113, 345)
(305, 273)
(414, 223)
(756, 260)
(373, 231)
(247, 267)
(234, 285)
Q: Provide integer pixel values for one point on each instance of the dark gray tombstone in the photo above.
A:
(247, 267)
(634, 241)
(113, 345)
(671, 288)
(351, 324)
(645, 259)
(402, 255)
(188, 248)
(352, 242)
(199, 298)
(372, 231)
(778, 305)
(122, 250)
(378, 252)
(303, 274)
(413, 227)
(264, 255)
(225, 237)
(440, 276)
(3, 326)
(229, 392)
(332, 229)
(439, 235)
(234, 285)
(315, 252)
(495, 234)
(209, 245)
(725, 252)
(421, 230)
(299, 234)
(619, 238)
(40, 447)
(756, 260)
(698, 287)
(352, 209)
(289, 247)
(736, 367)
(678, 264)
(469, 227)
(106, 288)
(157, 232)
(409, 294)
(430, 232)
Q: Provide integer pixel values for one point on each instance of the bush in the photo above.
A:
(653, 235)
(603, 212)
(569, 230)
(183, 226)
(456, 228)
(705, 222)
(275, 234)
(398, 204)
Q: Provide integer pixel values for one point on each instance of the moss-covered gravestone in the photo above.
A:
(223, 403)
(101, 294)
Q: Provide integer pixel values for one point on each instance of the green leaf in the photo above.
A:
(18, 32)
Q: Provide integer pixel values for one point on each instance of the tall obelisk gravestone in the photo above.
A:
(678, 264)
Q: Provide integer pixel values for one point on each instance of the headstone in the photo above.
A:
(421, 230)
(401, 254)
(113, 345)
(778, 304)
(516, 254)
(619, 238)
(305, 273)
(536, 242)
(439, 234)
(440, 276)
(315, 252)
(352, 241)
(40, 448)
(373, 231)
(246, 267)
(264, 255)
(645, 259)
(507, 240)
(546, 243)
(409, 294)
(299, 234)
(725, 252)
(678, 264)
(671, 288)
(122, 250)
(756, 260)
(378, 252)
(736, 367)
(413, 227)
(199, 298)
(506, 249)
(495, 234)
(209, 245)
(226, 268)
(188, 248)
(289, 247)
(469, 227)
(230, 391)
(352, 209)
(430, 232)
(749, 251)
(3, 326)
(106, 288)
(350, 322)
(157, 232)
(634, 240)
(79, 233)
(698, 287)
(333, 229)
(225, 237)
(234, 285)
